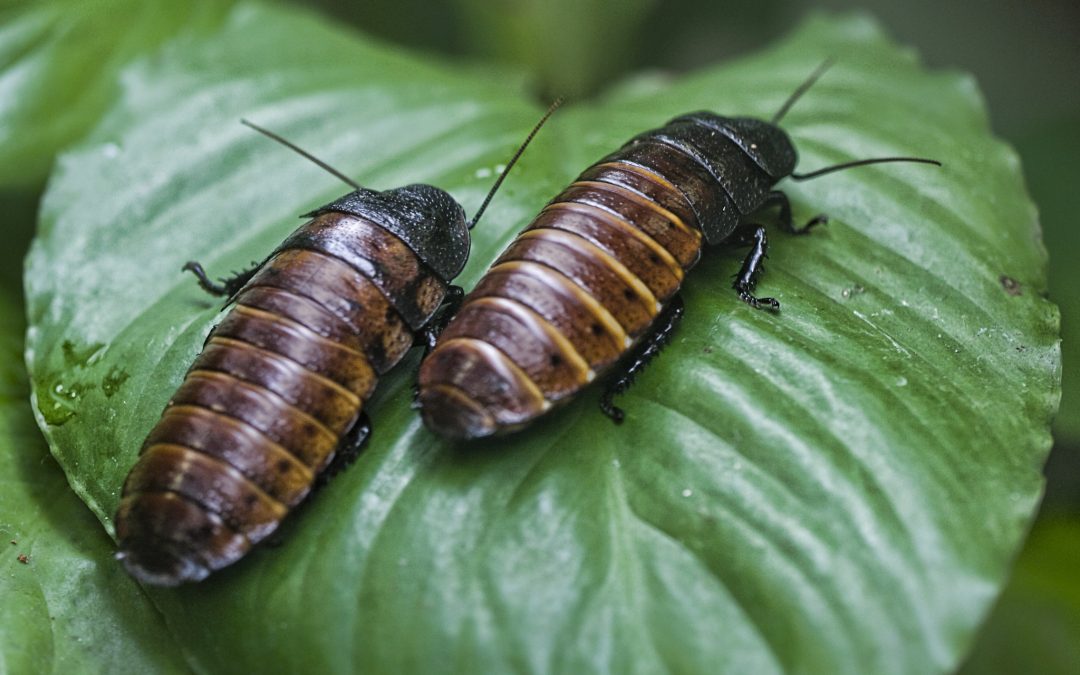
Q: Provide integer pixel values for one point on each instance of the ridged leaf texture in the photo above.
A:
(836, 488)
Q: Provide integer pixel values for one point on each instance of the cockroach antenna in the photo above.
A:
(303, 153)
(795, 95)
(513, 160)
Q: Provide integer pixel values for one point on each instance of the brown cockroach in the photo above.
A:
(275, 400)
(593, 281)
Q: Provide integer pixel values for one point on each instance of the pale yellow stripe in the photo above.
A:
(643, 201)
(493, 354)
(306, 332)
(234, 381)
(554, 278)
(302, 370)
(236, 423)
(572, 240)
(608, 217)
(537, 323)
(222, 466)
(647, 174)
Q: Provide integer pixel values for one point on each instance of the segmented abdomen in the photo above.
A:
(264, 407)
(570, 295)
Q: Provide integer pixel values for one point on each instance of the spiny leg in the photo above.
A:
(780, 200)
(646, 350)
(348, 450)
(352, 443)
(743, 236)
(228, 286)
(752, 266)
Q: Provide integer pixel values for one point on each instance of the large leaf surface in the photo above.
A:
(65, 608)
(1037, 618)
(835, 488)
(59, 64)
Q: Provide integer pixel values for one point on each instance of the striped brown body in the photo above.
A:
(587, 281)
(594, 277)
(568, 298)
(280, 381)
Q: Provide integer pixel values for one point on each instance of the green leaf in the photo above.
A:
(567, 57)
(1037, 618)
(1052, 177)
(59, 63)
(836, 488)
(66, 608)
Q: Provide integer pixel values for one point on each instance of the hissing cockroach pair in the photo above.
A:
(275, 400)
(277, 392)
(591, 285)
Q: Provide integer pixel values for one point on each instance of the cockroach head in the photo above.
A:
(427, 219)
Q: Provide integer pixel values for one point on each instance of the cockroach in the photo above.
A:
(274, 400)
(593, 281)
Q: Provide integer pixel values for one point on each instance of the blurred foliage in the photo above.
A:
(1037, 620)
(554, 36)
(1051, 153)
(59, 67)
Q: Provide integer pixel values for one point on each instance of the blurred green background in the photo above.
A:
(1025, 57)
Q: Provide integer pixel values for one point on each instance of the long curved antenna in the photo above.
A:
(303, 153)
(861, 162)
(513, 160)
(814, 76)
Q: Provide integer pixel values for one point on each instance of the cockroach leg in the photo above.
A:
(780, 200)
(752, 267)
(228, 286)
(430, 333)
(648, 346)
(352, 444)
